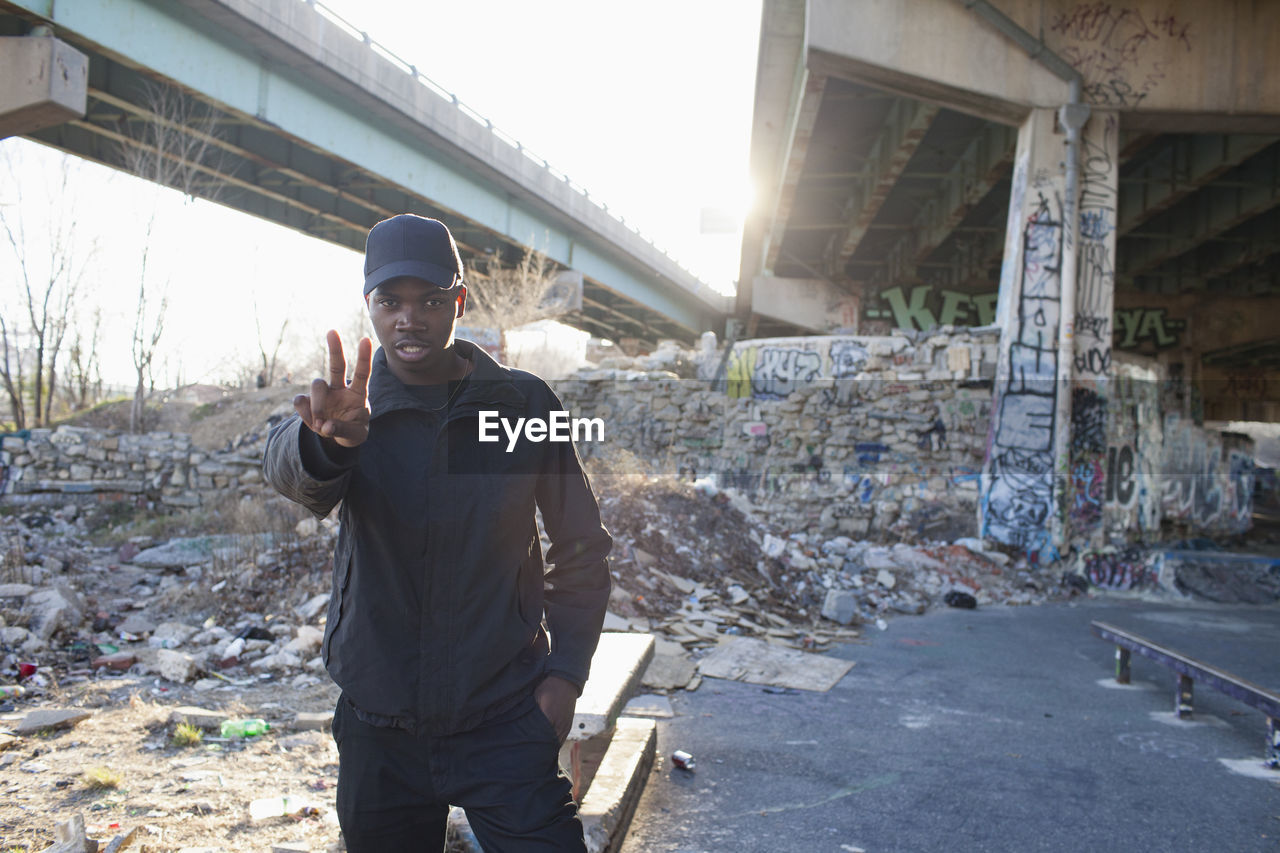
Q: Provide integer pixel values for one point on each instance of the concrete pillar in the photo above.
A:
(43, 82)
(1017, 505)
(1092, 459)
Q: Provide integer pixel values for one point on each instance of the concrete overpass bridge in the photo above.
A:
(311, 124)
(885, 146)
(1101, 181)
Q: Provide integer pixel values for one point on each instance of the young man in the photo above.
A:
(452, 692)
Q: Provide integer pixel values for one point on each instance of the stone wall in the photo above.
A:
(158, 469)
(878, 438)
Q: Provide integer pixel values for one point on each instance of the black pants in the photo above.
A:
(395, 789)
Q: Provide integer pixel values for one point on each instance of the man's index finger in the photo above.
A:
(337, 361)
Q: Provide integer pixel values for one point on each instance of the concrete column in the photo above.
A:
(1017, 505)
(43, 82)
(1092, 460)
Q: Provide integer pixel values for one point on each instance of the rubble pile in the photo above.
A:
(208, 609)
(695, 563)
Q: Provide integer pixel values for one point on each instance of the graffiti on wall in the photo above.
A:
(1136, 327)
(1088, 450)
(1121, 51)
(1096, 274)
(927, 306)
(1018, 502)
(1205, 484)
(771, 370)
(1125, 568)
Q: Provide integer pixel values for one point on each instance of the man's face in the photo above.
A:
(414, 322)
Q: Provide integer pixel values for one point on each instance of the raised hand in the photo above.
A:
(334, 409)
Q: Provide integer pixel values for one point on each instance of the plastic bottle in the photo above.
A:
(245, 728)
(11, 691)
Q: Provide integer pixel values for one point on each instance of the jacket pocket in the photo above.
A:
(531, 586)
(341, 577)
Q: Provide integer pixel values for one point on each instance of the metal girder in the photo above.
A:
(1207, 214)
(1189, 163)
(806, 116)
(984, 161)
(904, 127)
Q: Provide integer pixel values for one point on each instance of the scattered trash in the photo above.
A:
(12, 691)
(245, 728)
(956, 598)
(26, 670)
(682, 759)
(285, 806)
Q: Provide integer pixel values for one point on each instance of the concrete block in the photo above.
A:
(616, 669)
(607, 806)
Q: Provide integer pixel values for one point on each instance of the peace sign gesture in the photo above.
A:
(335, 409)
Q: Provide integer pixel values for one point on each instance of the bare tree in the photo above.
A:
(84, 369)
(504, 297)
(50, 269)
(171, 146)
(268, 375)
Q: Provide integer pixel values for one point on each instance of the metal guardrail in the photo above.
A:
(506, 138)
(1190, 670)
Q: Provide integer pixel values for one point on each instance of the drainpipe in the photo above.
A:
(1072, 116)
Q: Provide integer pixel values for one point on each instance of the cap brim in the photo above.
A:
(428, 272)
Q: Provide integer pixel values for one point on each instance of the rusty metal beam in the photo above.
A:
(1209, 213)
(1189, 163)
(904, 127)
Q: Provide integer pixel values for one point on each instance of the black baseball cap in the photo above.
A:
(411, 245)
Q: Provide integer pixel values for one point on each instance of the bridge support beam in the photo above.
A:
(1029, 498)
(43, 82)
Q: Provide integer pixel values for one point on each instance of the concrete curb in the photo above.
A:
(611, 800)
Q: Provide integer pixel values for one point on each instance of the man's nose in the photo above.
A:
(409, 317)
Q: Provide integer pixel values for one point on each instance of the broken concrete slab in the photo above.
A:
(50, 718)
(201, 718)
(312, 607)
(840, 605)
(313, 720)
(758, 662)
(175, 666)
(649, 705)
(671, 667)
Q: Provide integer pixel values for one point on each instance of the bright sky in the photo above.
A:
(647, 105)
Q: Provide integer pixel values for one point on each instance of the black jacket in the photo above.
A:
(436, 619)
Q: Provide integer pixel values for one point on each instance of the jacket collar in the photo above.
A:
(489, 382)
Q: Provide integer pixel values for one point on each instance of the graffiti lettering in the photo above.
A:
(1110, 43)
(913, 311)
(1125, 569)
(1136, 326)
(1121, 488)
(847, 358)
(1088, 421)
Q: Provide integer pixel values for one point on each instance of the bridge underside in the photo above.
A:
(894, 188)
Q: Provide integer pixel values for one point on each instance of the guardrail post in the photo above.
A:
(1185, 690)
(1122, 665)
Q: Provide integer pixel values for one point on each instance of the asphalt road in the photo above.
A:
(999, 729)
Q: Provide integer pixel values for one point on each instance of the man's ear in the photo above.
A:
(462, 301)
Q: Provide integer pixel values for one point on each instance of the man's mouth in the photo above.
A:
(411, 349)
